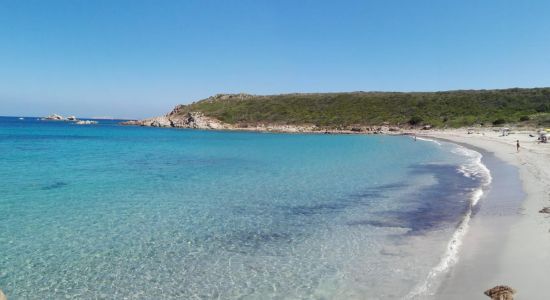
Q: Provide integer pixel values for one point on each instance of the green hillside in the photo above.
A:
(451, 108)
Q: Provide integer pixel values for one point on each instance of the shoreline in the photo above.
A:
(475, 167)
(507, 248)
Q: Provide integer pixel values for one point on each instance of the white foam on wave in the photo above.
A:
(472, 168)
(428, 140)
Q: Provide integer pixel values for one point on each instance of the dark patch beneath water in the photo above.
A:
(440, 204)
(378, 192)
(445, 202)
(266, 241)
(378, 223)
(391, 186)
(362, 198)
(308, 210)
(55, 185)
(152, 160)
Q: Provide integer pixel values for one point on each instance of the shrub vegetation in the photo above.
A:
(450, 108)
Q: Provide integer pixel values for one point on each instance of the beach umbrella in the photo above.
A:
(501, 292)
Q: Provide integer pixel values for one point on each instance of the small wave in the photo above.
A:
(473, 167)
(428, 140)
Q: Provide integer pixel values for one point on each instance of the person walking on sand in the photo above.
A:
(517, 145)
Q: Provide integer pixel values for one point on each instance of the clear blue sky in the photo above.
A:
(140, 58)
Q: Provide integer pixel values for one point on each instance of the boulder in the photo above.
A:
(195, 120)
(501, 292)
(158, 122)
(545, 210)
(54, 117)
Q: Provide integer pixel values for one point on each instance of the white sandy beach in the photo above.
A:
(506, 251)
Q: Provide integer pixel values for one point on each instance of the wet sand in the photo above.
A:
(509, 240)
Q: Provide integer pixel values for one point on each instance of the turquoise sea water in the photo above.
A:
(112, 212)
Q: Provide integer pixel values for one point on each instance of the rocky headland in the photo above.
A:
(182, 117)
(197, 120)
(360, 112)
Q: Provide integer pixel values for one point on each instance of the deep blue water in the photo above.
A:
(110, 212)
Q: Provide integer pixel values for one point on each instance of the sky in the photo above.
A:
(135, 59)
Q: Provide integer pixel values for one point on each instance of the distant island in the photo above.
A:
(361, 111)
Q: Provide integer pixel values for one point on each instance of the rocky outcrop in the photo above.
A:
(158, 122)
(153, 122)
(54, 117)
(178, 119)
(501, 292)
(132, 123)
(197, 120)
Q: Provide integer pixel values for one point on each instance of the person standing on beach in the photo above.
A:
(517, 145)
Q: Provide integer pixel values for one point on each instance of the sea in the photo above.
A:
(107, 211)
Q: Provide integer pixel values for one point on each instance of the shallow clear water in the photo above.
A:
(106, 211)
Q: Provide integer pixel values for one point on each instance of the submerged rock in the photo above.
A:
(2, 296)
(501, 292)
